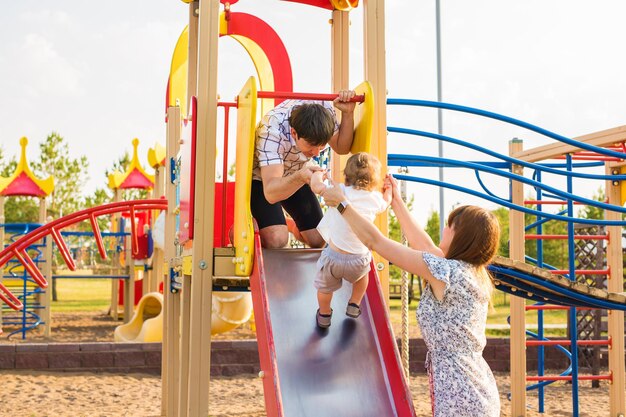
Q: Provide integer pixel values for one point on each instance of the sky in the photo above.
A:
(96, 72)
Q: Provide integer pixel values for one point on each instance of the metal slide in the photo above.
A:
(350, 369)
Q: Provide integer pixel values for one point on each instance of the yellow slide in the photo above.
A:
(229, 310)
(147, 322)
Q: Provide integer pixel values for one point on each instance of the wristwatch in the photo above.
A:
(342, 206)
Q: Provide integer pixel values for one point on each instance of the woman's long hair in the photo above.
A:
(476, 240)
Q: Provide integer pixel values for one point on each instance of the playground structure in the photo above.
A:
(36, 311)
(197, 266)
(120, 267)
(546, 288)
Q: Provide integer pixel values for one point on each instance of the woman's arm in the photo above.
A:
(415, 234)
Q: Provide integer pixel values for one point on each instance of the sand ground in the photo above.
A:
(38, 394)
(55, 394)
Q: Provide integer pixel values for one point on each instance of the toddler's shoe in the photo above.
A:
(353, 310)
(323, 320)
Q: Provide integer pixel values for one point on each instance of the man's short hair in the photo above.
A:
(313, 123)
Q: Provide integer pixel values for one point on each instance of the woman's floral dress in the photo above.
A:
(454, 332)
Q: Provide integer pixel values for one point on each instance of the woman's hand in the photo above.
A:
(334, 195)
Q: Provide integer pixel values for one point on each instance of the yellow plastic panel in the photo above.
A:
(364, 120)
(178, 74)
(246, 129)
(263, 69)
(187, 265)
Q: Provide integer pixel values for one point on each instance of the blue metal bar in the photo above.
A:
(582, 300)
(510, 160)
(408, 159)
(506, 119)
(542, 221)
(528, 291)
(540, 333)
(540, 385)
(507, 203)
(573, 327)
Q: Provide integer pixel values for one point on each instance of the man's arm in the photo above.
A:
(278, 188)
(317, 182)
(341, 142)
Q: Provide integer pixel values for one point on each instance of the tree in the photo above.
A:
(396, 234)
(70, 175)
(591, 212)
(433, 227)
(502, 213)
(555, 251)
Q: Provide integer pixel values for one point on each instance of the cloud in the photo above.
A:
(44, 70)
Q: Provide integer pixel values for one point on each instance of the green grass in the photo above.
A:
(82, 295)
(78, 295)
(497, 315)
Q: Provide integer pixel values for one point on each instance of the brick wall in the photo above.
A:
(227, 357)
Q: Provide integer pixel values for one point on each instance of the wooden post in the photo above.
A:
(340, 73)
(199, 364)
(617, 405)
(115, 283)
(46, 298)
(518, 318)
(129, 284)
(157, 255)
(185, 297)
(375, 73)
(170, 355)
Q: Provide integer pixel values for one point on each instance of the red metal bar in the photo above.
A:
(553, 307)
(63, 249)
(225, 173)
(227, 104)
(547, 202)
(569, 378)
(590, 157)
(10, 299)
(567, 343)
(306, 96)
(134, 239)
(31, 268)
(579, 237)
(582, 271)
(98, 236)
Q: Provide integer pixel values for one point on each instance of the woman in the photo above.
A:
(452, 312)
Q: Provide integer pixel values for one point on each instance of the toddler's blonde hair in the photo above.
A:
(362, 171)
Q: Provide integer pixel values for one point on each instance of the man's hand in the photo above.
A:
(334, 195)
(343, 103)
(305, 173)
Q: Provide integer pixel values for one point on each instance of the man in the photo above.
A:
(287, 138)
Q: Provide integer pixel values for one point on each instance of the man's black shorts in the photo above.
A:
(302, 206)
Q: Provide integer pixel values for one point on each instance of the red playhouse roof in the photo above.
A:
(134, 178)
(23, 182)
